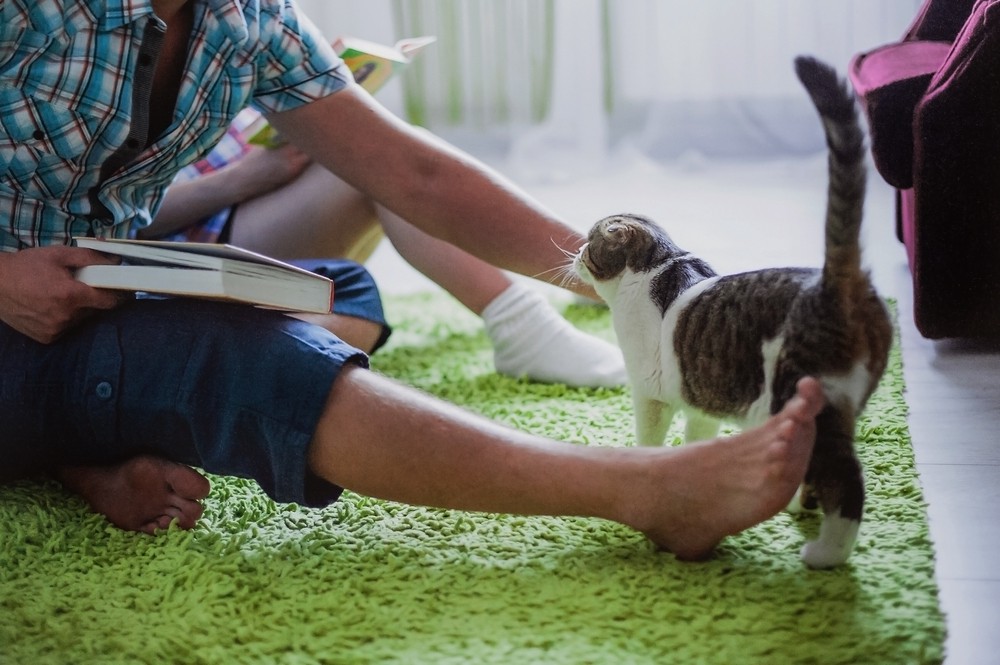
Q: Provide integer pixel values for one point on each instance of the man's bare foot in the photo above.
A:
(141, 494)
(705, 491)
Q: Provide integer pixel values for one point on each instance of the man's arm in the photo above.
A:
(434, 186)
(39, 296)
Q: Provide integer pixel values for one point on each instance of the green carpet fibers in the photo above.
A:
(365, 581)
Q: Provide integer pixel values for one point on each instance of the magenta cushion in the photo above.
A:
(889, 81)
(933, 106)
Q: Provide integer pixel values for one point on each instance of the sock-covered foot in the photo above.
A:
(144, 493)
(531, 340)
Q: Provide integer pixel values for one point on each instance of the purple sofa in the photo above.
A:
(932, 101)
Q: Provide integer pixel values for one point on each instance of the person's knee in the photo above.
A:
(363, 334)
(357, 317)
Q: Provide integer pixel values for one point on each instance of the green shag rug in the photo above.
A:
(365, 581)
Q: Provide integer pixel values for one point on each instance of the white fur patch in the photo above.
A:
(646, 339)
(851, 387)
(835, 543)
(760, 410)
(637, 326)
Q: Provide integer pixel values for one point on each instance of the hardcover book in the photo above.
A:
(207, 270)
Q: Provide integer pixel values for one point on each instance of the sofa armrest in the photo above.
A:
(889, 81)
(940, 20)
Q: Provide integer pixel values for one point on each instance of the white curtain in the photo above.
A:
(558, 88)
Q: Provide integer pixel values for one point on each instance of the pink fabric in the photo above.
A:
(907, 223)
(956, 186)
(890, 81)
(935, 135)
(894, 62)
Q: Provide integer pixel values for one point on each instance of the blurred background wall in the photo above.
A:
(553, 88)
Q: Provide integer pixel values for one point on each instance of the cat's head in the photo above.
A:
(623, 241)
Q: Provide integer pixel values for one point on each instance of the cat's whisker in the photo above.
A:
(542, 275)
(566, 267)
(566, 252)
(567, 277)
(564, 275)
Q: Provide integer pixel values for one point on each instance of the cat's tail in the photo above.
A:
(847, 176)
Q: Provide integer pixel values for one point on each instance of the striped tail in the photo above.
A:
(846, 192)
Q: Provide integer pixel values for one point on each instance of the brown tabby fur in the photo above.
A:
(733, 347)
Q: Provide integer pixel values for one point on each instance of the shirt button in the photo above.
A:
(103, 390)
(38, 135)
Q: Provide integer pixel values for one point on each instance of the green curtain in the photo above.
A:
(492, 65)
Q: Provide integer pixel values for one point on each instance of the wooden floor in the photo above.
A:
(953, 391)
(742, 216)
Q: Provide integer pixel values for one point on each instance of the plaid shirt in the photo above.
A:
(229, 149)
(70, 74)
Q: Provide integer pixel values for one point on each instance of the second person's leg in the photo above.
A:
(318, 215)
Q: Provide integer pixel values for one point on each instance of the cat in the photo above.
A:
(732, 347)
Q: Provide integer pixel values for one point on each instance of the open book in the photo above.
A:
(207, 270)
(372, 64)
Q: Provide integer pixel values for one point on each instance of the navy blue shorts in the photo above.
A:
(235, 390)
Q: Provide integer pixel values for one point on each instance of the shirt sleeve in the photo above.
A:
(297, 63)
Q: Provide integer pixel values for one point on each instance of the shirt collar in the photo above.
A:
(113, 14)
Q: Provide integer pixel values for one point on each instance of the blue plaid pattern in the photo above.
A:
(229, 149)
(66, 94)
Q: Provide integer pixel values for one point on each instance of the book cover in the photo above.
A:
(207, 270)
(372, 64)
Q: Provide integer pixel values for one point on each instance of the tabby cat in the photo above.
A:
(732, 347)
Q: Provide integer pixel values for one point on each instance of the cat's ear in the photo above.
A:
(618, 231)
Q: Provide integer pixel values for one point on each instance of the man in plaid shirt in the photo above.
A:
(101, 102)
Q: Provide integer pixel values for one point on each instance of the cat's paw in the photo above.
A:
(819, 556)
(835, 543)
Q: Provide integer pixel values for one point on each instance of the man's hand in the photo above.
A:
(39, 295)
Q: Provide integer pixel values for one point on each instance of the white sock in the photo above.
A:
(531, 340)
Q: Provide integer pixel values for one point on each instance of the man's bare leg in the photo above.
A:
(424, 451)
(141, 494)
(385, 440)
